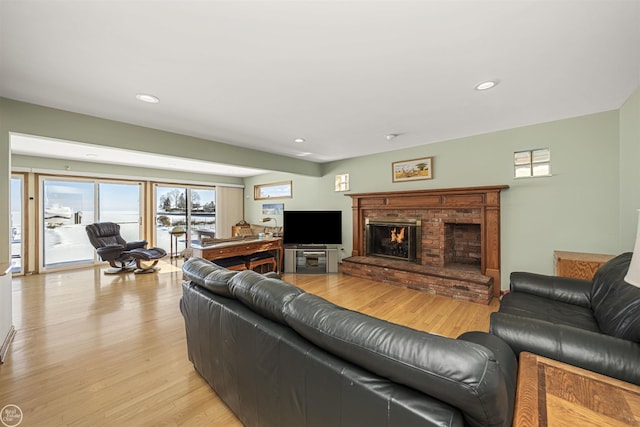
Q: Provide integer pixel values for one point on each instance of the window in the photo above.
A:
(342, 182)
(68, 205)
(276, 190)
(17, 221)
(182, 211)
(532, 163)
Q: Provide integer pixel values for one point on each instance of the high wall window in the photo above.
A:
(532, 163)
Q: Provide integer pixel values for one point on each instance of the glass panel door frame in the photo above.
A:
(64, 204)
(178, 227)
(79, 218)
(119, 207)
(18, 223)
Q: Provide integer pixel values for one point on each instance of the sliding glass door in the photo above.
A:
(69, 205)
(121, 203)
(17, 221)
(203, 210)
(180, 213)
(171, 218)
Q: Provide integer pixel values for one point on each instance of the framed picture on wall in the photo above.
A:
(412, 170)
(272, 208)
(275, 190)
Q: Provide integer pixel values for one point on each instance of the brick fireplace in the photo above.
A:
(454, 233)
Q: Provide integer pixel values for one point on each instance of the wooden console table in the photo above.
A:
(238, 247)
(552, 393)
(578, 264)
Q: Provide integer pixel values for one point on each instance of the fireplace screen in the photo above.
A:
(397, 238)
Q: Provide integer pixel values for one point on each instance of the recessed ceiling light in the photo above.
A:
(303, 154)
(299, 140)
(486, 85)
(390, 136)
(147, 98)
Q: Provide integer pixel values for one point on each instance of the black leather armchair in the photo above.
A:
(120, 254)
(591, 324)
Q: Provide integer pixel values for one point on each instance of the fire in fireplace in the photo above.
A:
(397, 238)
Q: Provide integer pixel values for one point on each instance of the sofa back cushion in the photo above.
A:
(208, 275)
(266, 296)
(463, 374)
(615, 303)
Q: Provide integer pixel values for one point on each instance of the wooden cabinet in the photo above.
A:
(236, 247)
(579, 265)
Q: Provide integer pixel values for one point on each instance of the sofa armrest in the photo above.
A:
(504, 356)
(593, 351)
(501, 350)
(564, 289)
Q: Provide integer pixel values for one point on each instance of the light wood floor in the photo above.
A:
(103, 350)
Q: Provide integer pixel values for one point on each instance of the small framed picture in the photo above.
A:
(272, 208)
(413, 170)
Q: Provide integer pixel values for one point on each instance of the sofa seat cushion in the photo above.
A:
(616, 304)
(536, 307)
(460, 373)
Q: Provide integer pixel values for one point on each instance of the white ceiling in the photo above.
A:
(341, 74)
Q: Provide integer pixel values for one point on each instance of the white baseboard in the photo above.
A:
(7, 342)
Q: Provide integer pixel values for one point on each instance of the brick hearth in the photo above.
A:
(456, 281)
(469, 269)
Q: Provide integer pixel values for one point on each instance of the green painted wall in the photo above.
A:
(576, 209)
(629, 169)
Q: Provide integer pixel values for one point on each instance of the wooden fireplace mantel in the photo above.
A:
(415, 202)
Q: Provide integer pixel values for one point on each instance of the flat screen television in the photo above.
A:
(312, 227)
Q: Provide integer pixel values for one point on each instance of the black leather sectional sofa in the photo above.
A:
(591, 324)
(281, 357)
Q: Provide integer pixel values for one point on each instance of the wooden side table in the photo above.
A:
(552, 393)
(579, 265)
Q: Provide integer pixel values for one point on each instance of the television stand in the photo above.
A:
(310, 259)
